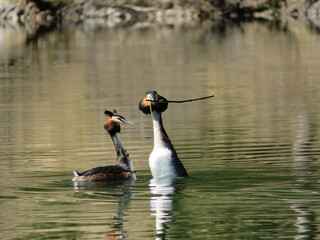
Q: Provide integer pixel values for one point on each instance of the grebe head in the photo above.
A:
(152, 100)
(112, 125)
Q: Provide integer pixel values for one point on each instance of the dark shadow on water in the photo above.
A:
(220, 27)
(39, 32)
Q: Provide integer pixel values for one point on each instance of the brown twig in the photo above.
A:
(182, 101)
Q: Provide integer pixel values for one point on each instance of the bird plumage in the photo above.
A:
(123, 168)
(163, 160)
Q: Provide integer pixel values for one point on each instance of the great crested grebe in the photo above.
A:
(123, 169)
(163, 160)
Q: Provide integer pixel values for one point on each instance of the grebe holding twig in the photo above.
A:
(163, 160)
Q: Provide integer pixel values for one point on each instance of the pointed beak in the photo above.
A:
(127, 122)
(122, 120)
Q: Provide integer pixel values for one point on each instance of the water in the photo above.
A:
(252, 152)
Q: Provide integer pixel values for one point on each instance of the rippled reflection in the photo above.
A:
(303, 168)
(121, 193)
(161, 203)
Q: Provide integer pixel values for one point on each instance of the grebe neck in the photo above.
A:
(160, 135)
(164, 160)
(116, 141)
(123, 158)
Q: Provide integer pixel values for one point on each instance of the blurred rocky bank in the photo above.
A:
(129, 12)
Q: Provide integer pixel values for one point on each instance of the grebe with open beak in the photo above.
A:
(163, 160)
(123, 169)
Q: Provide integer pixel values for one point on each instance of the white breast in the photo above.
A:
(160, 163)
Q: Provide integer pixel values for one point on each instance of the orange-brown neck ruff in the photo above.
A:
(160, 105)
(144, 105)
(112, 127)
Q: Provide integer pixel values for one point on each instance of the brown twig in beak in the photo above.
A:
(182, 101)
